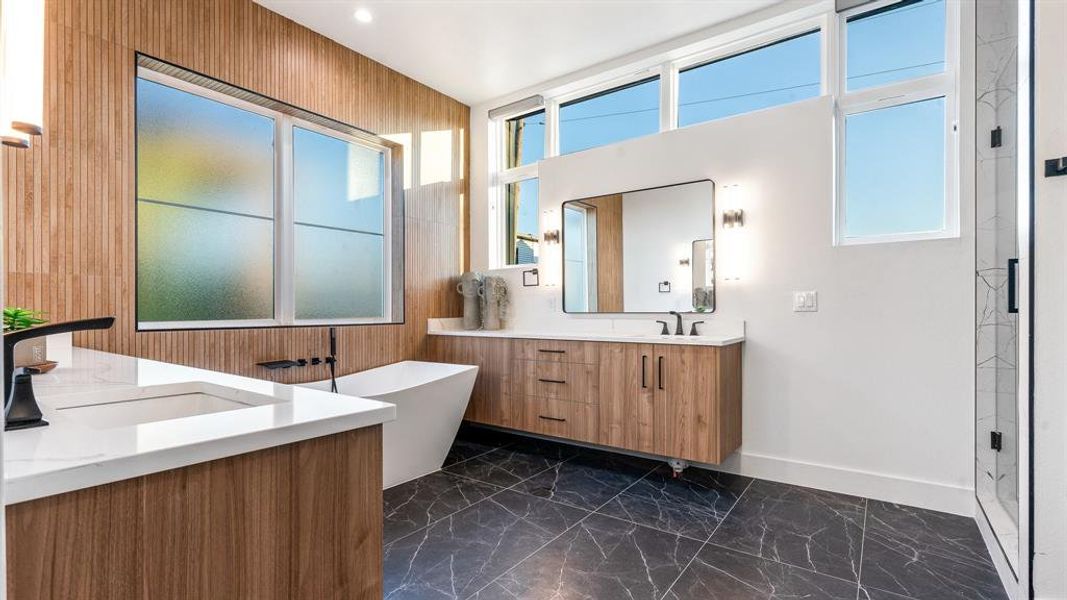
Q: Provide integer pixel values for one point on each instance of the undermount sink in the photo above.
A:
(159, 403)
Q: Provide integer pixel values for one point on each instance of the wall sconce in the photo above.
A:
(550, 261)
(22, 88)
(732, 245)
(733, 218)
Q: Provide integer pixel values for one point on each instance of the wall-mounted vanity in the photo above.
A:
(671, 396)
(615, 382)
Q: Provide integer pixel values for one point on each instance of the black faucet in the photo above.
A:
(20, 406)
(678, 330)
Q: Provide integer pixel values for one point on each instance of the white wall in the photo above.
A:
(1050, 298)
(658, 229)
(873, 394)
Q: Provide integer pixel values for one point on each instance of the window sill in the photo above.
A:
(897, 238)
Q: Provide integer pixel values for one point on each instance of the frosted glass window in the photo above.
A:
(199, 265)
(899, 42)
(340, 217)
(786, 71)
(339, 274)
(608, 117)
(203, 153)
(222, 242)
(205, 208)
(895, 170)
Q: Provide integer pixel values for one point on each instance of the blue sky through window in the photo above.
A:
(895, 169)
(905, 42)
(777, 74)
(608, 118)
(528, 196)
(530, 130)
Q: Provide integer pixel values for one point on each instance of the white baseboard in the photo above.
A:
(889, 488)
(879, 486)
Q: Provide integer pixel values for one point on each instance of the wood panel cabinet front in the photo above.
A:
(686, 386)
(297, 521)
(562, 419)
(679, 401)
(490, 401)
(558, 351)
(627, 407)
(574, 382)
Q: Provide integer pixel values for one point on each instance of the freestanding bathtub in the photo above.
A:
(430, 400)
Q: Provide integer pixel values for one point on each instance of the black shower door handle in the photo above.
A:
(1013, 294)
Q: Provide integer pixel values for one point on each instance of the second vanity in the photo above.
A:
(678, 397)
(156, 480)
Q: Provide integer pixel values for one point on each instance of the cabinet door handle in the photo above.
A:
(556, 419)
(551, 380)
(551, 351)
(644, 377)
(661, 373)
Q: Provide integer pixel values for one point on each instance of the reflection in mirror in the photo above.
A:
(647, 250)
(704, 275)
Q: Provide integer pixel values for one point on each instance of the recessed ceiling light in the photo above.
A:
(363, 15)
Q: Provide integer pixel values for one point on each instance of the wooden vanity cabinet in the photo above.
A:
(698, 402)
(490, 401)
(678, 401)
(628, 412)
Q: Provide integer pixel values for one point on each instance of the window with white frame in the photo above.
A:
(523, 146)
(896, 124)
(890, 64)
(783, 71)
(610, 116)
(251, 213)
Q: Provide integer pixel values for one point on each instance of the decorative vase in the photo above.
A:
(495, 303)
(470, 287)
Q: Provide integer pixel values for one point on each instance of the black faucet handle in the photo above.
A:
(665, 330)
(693, 328)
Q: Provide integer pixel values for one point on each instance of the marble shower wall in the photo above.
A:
(996, 241)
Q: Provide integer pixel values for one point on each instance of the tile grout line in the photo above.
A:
(863, 543)
(499, 489)
(564, 532)
(490, 451)
(705, 544)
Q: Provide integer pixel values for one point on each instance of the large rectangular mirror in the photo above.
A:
(645, 251)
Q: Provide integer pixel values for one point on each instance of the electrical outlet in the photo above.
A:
(806, 301)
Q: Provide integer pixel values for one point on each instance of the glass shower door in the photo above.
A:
(996, 252)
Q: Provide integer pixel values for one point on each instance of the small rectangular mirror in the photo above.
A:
(644, 251)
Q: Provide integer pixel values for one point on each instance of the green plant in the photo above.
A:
(16, 318)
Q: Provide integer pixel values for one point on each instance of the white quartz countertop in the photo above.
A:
(452, 327)
(72, 454)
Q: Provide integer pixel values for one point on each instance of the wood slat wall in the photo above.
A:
(69, 200)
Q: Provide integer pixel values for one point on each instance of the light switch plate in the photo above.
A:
(806, 301)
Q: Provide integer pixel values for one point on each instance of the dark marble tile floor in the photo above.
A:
(512, 517)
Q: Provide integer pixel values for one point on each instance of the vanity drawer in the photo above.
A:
(559, 418)
(556, 351)
(575, 382)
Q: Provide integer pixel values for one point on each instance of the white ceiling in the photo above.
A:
(477, 50)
